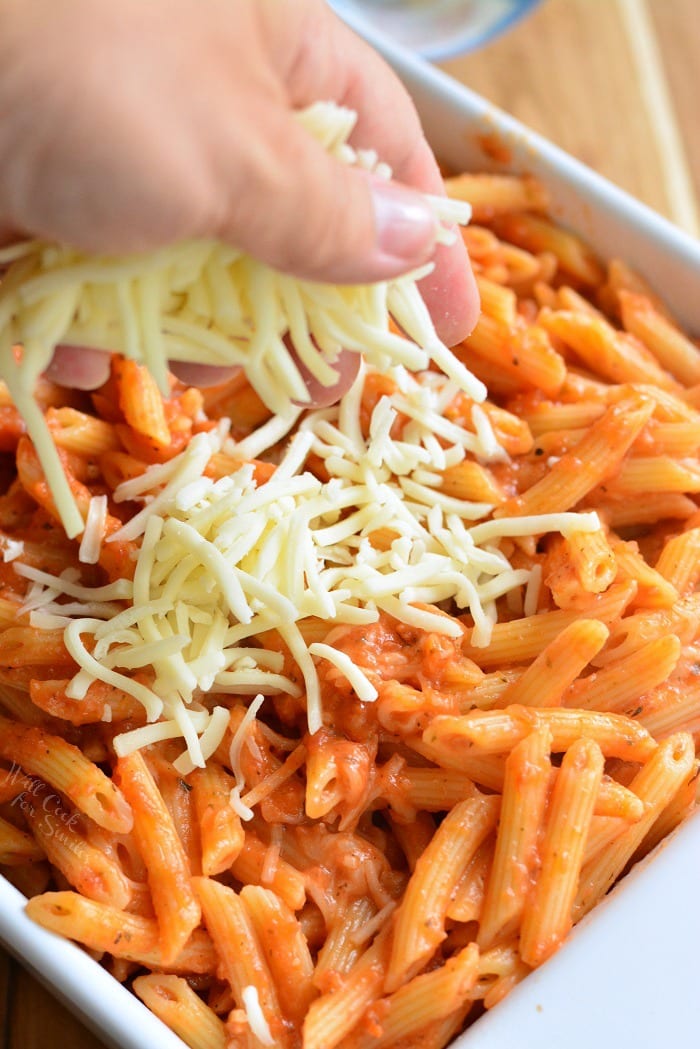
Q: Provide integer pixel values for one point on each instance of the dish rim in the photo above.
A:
(101, 1002)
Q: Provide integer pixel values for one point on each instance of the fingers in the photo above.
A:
(82, 368)
(347, 366)
(319, 57)
(201, 375)
(79, 368)
(204, 375)
(291, 204)
(303, 212)
(347, 235)
(176, 165)
(450, 293)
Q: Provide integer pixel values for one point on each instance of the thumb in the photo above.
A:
(302, 211)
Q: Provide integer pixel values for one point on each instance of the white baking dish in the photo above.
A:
(627, 975)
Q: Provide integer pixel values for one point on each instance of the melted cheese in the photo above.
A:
(210, 303)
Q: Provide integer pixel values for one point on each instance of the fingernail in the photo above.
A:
(406, 226)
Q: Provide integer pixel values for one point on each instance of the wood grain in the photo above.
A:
(37, 1021)
(571, 72)
(677, 26)
(5, 990)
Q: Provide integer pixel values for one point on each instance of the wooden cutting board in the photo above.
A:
(614, 82)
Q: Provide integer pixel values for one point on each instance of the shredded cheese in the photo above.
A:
(222, 561)
(364, 689)
(259, 1026)
(207, 302)
(239, 738)
(91, 542)
(11, 548)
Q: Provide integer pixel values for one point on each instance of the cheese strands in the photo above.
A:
(221, 562)
(207, 302)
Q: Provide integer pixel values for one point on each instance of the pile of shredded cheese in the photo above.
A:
(209, 303)
(222, 561)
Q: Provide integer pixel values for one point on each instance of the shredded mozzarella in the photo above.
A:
(235, 748)
(91, 542)
(221, 561)
(364, 689)
(259, 1026)
(207, 302)
(11, 548)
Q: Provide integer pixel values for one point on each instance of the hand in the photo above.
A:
(137, 124)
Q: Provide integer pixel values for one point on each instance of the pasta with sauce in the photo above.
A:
(392, 869)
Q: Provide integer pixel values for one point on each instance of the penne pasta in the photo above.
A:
(679, 561)
(420, 920)
(169, 876)
(670, 347)
(579, 564)
(539, 234)
(547, 916)
(597, 455)
(424, 1002)
(546, 679)
(467, 902)
(520, 640)
(498, 730)
(532, 360)
(333, 1015)
(241, 958)
(179, 1007)
(220, 827)
(653, 589)
(618, 684)
(284, 879)
(331, 723)
(93, 872)
(285, 949)
(17, 847)
(345, 940)
(491, 195)
(101, 927)
(607, 352)
(656, 784)
(141, 402)
(525, 794)
(64, 767)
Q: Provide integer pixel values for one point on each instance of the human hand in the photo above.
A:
(139, 124)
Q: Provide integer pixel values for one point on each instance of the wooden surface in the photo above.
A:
(614, 82)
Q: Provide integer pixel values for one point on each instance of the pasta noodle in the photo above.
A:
(434, 701)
